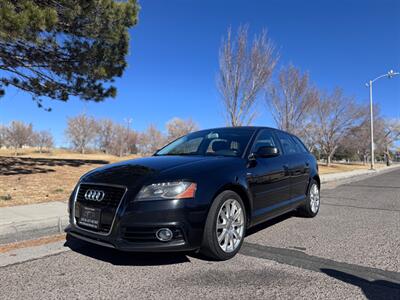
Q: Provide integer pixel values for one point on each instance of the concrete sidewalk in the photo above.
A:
(24, 222)
(32, 221)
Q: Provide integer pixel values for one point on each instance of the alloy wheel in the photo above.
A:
(230, 225)
(314, 198)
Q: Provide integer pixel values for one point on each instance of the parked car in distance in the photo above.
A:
(200, 192)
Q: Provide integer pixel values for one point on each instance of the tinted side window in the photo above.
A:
(265, 138)
(289, 146)
(300, 144)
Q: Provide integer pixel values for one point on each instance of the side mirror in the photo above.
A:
(267, 151)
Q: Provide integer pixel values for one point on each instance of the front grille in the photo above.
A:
(112, 197)
(147, 234)
(108, 206)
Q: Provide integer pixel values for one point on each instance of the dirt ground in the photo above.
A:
(33, 177)
(31, 243)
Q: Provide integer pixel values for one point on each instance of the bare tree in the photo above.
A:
(292, 100)
(177, 127)
(310, 134)
(81, 131)
(131, 137)
(150, 140)
(358, 138)
(336, 115)
(43, 139)
(124, 141)
(105, 135)
(131, 141)
(392, 135)
(19, 134)
(2, 136)
(243, 72)
(119, 145)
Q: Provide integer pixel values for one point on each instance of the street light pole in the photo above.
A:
(389, 74)
(372, 125)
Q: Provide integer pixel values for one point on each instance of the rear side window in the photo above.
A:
(300, 144)
(288, 145)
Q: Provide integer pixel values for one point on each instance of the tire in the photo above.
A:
(211, 247)
(311, 207)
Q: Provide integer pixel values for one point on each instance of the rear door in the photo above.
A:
(299, 166)
(268, 179)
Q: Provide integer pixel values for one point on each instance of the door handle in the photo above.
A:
(286, 169)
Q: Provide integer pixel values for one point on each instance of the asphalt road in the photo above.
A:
(351, 250)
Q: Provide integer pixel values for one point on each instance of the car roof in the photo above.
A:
(240, 127)
(247, 127)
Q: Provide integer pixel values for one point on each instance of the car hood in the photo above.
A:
(136, 171)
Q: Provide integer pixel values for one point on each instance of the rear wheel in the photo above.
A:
(311, 208)
(225, 227)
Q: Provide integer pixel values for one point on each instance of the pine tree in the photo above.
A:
(64, 48)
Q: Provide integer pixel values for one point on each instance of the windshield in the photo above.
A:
(217, 142)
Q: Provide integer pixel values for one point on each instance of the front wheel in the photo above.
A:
(225, 227)
(311, 208)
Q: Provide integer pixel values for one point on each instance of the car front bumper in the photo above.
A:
(136, 223)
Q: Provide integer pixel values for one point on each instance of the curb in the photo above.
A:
(32, 229)
(335, 179)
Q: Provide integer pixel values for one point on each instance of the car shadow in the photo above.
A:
(28, 165)
(120, 258)
(270, 223)
(374, 289)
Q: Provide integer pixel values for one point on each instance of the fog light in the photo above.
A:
(164, 234)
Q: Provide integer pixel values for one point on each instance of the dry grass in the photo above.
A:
(32, 177)
(32, 243)
(335, 168)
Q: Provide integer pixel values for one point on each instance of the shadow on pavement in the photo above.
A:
(270, 223)
(372, 186)
(120, 258)
(375, 289)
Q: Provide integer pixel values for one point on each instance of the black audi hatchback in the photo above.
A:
(200, 192)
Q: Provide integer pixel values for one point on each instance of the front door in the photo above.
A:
(268, 179)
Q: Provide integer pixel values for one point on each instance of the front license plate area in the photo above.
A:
(90, 217)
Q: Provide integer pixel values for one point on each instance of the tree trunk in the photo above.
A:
(328, 160)
(387, 157)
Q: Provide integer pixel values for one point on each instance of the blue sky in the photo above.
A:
(173, 59)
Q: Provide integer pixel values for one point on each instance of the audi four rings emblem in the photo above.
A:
(94, 195)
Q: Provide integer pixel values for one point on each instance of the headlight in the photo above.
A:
(168, 190)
